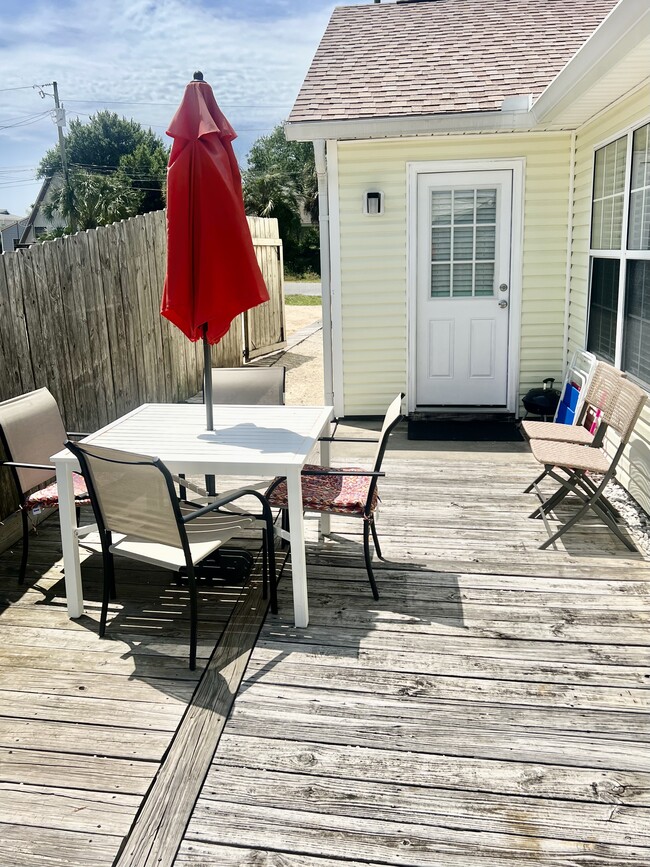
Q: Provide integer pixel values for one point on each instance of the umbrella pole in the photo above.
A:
(207, 379)
(207, 398)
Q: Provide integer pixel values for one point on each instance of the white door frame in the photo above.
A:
(517, 166)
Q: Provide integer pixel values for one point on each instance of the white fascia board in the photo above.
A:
(409, 125)
(625, 27)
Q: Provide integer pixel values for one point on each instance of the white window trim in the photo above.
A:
(622, 254)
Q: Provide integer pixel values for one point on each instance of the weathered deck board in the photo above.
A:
(158, 829)
(85, 723)
(491, 708)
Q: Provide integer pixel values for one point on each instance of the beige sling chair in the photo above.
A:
(602, 393)
(31, 431)
(255, 386)
(140, 517)
(570, 464)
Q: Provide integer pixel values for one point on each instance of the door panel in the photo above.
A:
(482, 348)
(441, 348)
(463, 278)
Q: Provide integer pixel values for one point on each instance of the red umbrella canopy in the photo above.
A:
(212, 272)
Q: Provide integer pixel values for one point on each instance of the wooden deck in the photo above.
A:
(491, 708)
(86, 723)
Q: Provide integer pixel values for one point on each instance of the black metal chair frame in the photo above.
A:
(191, 570)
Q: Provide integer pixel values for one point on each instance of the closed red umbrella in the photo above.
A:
(212, 272)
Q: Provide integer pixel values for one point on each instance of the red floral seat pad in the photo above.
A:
(341, 495)
(48, 497)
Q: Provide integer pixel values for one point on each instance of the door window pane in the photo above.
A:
(440, 244)
(441, 207)
(464, 206)
(602, 312)
(462, 285)
(486, 206)
(485, 242)
(440, 281)
(609, 184)
(463, 242)
(484, 278)
(639, 230)
(636, 334)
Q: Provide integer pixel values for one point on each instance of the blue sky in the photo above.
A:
(135, 57)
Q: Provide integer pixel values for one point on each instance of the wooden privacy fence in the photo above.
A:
(81, 315)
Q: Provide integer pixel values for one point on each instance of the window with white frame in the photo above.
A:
(619, 304)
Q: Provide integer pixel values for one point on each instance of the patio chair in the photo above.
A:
(140, 517)
(262, 386)
(249, 386)
(31, 431)
(602, 393)
(350, 491)
(570, 464)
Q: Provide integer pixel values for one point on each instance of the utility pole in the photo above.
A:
(59, 120)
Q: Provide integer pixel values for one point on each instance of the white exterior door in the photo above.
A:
(464, 232)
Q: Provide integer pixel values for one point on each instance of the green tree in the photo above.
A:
(107, 144)
(146, 170)
(93, 200)
(280, 181)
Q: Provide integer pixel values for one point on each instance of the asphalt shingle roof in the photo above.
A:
(441, 56)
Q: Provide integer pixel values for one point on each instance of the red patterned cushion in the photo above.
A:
(49, 496)
(341, 495)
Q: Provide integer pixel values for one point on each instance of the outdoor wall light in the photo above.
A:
(373, 203)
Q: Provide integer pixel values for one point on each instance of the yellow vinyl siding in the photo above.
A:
(634, 469)
(374, 250)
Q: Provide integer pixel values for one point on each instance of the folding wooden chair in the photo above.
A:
(570, 464)
(601, 396)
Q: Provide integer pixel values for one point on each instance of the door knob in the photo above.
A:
(503, 304)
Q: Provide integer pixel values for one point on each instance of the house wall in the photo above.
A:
(10, 234)
(634, 469)
(372, 333)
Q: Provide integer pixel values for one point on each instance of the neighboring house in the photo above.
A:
(37, 223)
(11, 226)
(509, 145)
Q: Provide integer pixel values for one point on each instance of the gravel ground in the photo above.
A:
(304, 361)
(636, 519)
(298, 317)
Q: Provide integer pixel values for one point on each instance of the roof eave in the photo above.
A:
(408, 125)
(627, 25)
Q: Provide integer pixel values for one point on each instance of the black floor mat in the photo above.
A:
(465, 431)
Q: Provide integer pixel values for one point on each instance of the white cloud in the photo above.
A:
(144, 51)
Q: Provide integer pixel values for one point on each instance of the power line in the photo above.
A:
(34, 119)
(175, 104)
(23, 87)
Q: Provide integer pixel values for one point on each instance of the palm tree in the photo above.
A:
(91, 200)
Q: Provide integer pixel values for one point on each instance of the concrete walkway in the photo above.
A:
(302, 288)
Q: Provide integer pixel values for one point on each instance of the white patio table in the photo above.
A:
(260, 441)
